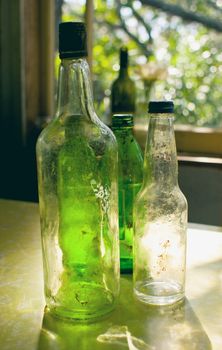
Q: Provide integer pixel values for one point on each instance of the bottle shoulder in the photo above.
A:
(169, 208)
(152, 195)
(52, 133)
(123, 82)
(75, 129)
(127, 142)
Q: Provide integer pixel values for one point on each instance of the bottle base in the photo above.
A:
(64, 314)
(158, 293)
(83, 301)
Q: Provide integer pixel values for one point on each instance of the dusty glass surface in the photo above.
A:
(78, 197)
(160, 216)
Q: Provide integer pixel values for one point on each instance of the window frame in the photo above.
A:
(191, 141)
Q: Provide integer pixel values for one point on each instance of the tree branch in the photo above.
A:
(176, 10)
(112, 27)
(141, 20)
(214, 5)
(143, 46)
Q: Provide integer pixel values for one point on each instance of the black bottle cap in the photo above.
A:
(123, 57)
(161, 107)
(72, 40)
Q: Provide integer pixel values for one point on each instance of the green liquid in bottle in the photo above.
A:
(127, 193)
(130, 181)
(83, 228)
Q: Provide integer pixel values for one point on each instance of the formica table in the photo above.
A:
(195, 323)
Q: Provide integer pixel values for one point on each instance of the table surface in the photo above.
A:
(194, 324)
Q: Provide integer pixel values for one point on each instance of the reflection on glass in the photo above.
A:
(132, 326)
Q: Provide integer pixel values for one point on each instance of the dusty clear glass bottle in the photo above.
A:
(160, 215)
(78, 194)
(130, 181)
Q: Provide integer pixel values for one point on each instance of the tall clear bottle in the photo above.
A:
(78, 194)
(130, 181)
(160, 215)
(123, 92)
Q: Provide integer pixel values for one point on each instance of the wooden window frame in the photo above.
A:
(39, 52)
(199, 141)
(191, 141)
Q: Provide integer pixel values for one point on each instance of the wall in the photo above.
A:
(202, 185)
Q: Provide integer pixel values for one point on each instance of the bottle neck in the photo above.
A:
(122, 123)
(160, 161)
(74, 89)
(123, 72)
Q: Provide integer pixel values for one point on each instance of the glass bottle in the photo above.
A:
(130, 181)
(160, 215)
(78, 194)
(123, 92)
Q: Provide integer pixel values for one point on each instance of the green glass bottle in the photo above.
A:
(130, 181)
(123, 92)
(78, 194)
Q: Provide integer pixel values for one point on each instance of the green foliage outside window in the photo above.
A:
(169, 58)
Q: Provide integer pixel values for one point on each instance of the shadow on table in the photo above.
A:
(132, 325)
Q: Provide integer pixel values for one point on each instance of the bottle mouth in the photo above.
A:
(122, 120)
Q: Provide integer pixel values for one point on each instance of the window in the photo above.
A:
(170, 57)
